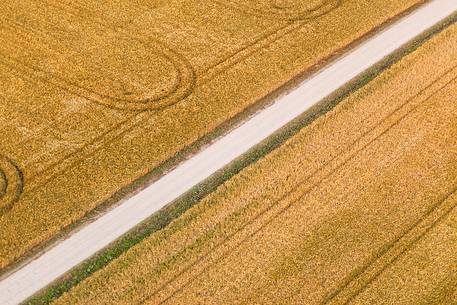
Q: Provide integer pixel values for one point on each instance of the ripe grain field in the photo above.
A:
(357, 208)
(97, 94)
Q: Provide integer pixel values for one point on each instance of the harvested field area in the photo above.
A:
(96, 94)
(358, 207)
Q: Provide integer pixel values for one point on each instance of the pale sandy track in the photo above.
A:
(58, 260)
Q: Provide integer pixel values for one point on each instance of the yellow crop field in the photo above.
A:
(359, 207)
(96, 94)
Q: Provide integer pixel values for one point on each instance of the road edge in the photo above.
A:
(173, 210)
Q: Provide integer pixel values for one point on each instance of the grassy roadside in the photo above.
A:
(153, 166)
(164, 217)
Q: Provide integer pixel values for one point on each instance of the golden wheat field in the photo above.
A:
(357, 208)
(96, 94)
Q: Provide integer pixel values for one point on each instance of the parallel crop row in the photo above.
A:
(324, 215)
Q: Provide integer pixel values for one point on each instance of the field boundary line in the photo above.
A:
(109, 227)
(319, 176)
(188, 151)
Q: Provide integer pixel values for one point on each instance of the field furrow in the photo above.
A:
(99, 96)
(357, 207)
